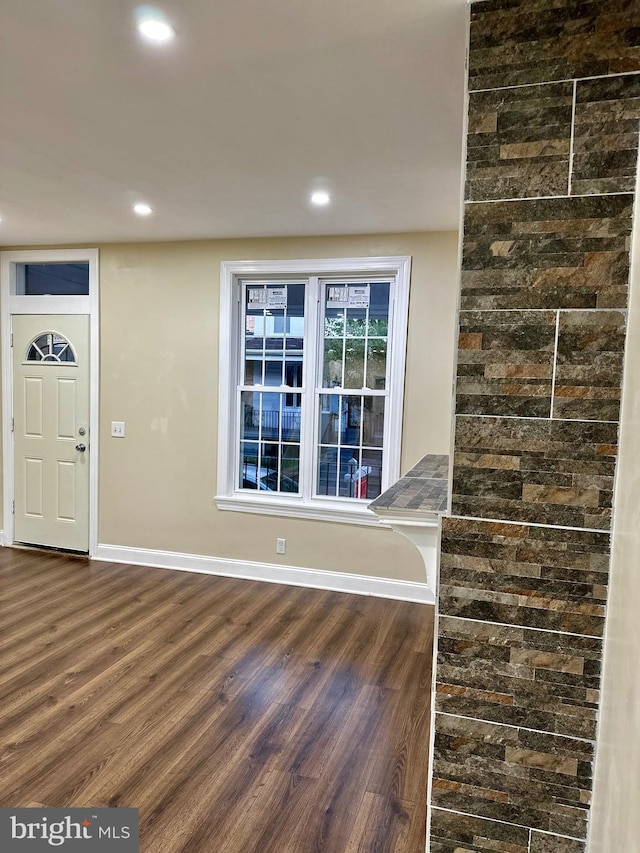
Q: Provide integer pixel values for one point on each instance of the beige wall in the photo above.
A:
(616, 799)
(159, 340)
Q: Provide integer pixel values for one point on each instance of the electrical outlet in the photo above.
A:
(117, 429)
(281, 546)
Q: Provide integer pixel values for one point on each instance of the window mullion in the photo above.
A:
(365, 368)
(391, 423)
(309, 397)
(238, 336)
(237, 451)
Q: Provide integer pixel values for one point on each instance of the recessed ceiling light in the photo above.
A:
(156, 30)
(320, 198)
(142, 209)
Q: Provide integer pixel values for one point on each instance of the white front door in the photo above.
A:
(51, 430)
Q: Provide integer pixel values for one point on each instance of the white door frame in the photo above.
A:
(11, 303)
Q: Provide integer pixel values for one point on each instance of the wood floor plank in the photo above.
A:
(383, 825)
(392, 773)
(238, 717)
(329, 826)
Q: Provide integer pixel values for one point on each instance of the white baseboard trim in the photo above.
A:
(269, 572)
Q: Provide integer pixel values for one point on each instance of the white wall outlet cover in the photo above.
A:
(117, 429)
(281, 546)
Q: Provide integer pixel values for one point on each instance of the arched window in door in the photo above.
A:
(52, 348)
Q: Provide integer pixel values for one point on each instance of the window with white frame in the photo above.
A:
(311, 384)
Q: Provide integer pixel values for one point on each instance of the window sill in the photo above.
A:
(320, 510)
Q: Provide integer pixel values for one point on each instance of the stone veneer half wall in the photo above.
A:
(552, 151)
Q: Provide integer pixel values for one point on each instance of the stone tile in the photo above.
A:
(589, 365)
(508, 774)
(519, 142)
(415, 494)
(605, 143)
(533, 577)
(540, 471)
(547, 253)
(425, 488)
(505, 362)
(541, 843)
(532, 679)
(432, 466)
(516, 42)
(456, 833)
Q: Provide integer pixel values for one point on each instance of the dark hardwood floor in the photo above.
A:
(239, 717)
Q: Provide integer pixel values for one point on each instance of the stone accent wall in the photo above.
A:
(554, 113)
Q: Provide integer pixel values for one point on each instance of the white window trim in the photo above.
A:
(228, 497)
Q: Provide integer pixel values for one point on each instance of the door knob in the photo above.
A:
(81, 448)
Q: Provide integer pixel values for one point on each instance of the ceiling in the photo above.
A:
(227, 130)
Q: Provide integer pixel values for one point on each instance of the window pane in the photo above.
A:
(329, 418)
(267, 467)
(254, 347)
(377, 330)
(334, 323)
(290, 468)
(351, 420)
(273, 326)
(248, 465)
(356, 322)
(349, 473)
(379, 310)
(350, 429)
(369, 484)
(355, 335)
(333, 362)
(53, 279)
(354, 363)
(269, 443)
(290, 421)
(295, 311)
(293, 373)
(376, 363)
(340, 419)
(373, 421)
(328, 471)
(249, 415)
(273, 369)
(274, 347)
(266, 417)
(50, 348)
(270, 418)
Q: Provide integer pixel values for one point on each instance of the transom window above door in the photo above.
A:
(52, 348)
(312, 377)
(52, 279)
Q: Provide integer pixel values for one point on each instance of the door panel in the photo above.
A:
(33, 487)
(67, 475)
(51, 406)
(33, 389)
(66, 409)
